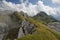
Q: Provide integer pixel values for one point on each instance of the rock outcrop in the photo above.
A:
(17, 25)
(3, 30)
(26, 28)
(11, 27)
(55, 26)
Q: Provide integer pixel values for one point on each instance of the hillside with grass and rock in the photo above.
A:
(20, 26)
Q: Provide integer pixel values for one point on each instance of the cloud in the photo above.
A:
(56, 1)
(49, 10)
(55, 12)
(57, 16)
(29, 8)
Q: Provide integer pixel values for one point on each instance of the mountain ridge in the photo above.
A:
(27, 28)
(42, 27)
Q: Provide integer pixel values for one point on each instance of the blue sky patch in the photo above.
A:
(14, 1)
(46, 2)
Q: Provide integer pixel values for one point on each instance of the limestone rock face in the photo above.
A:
(3, 30)
(11, 27)
(55, 25)
(26, 28)
(6, 24)
(20, 33)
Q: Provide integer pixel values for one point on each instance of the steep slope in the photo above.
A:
(23, 28)
(7, 23)
(20, 23)
(48, 20)
(55, 26)
(44, 18)
(42, 32)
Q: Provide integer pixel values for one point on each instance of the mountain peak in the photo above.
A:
(41, 14)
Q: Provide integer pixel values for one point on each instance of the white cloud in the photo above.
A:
(57, 16)
(49, 10)
(56, 1)
(30, 9)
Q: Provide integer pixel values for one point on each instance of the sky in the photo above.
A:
(18, 1)
(46, 2)
(32, 7)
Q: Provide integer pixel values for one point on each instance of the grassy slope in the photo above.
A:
(42, 32)
(44, 18)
